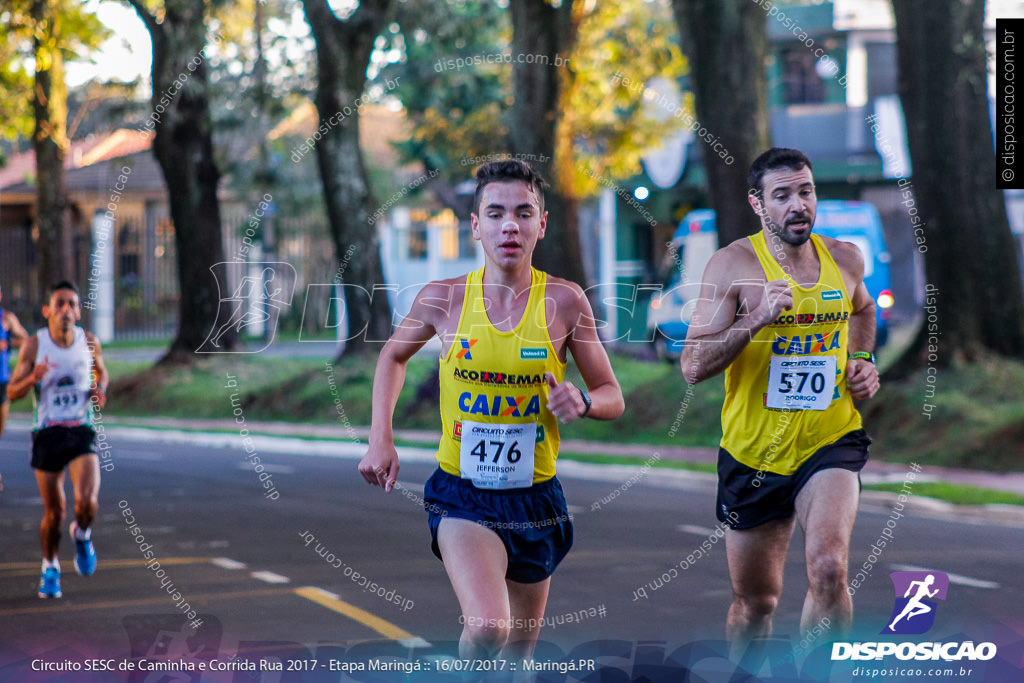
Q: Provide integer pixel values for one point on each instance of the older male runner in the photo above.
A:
(786, 315)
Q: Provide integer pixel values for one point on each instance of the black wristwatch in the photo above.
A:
(587, 401)
(864, 355)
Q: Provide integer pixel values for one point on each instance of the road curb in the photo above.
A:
(334, 441)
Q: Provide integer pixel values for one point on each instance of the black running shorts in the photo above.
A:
(54, 447)
(748, 497)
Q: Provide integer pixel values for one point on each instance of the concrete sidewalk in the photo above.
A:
(876, 471)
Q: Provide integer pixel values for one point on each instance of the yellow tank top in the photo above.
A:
(785, 394)
(494, 411)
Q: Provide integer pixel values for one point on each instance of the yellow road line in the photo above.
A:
(64, 606)
(328, 600)
(29, 568)
(321, 597)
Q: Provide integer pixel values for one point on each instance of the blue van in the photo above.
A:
(696, 239)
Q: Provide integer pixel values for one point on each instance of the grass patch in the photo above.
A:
(953, 493)
(977, 420)
(971, 416)
(409, 443)
(637, 461)
(660, 408)
(204, 390)
(155, 345)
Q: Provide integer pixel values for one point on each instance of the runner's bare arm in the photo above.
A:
(380, 464)
(25, 372)
(16, 332)
(565, 400)
(861, 375)
(100, 376)
(716, 336)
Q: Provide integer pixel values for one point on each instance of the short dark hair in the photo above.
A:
(774, 158)
(64, 284)
(504, 172)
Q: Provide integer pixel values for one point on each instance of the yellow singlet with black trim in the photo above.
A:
(785, 394)
(497, 429)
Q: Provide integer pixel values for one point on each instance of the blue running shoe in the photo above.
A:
(49, 584)
(85, 554)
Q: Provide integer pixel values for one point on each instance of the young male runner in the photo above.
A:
(497, 515)
(63, 363)
(12, 335)
(785, 313)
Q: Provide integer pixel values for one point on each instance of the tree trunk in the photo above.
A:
(540, 29)
(726, 42)
(183, 146)
(343, 51)
(970, 255)
(49, 104)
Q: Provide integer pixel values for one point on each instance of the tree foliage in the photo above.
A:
(263, 71)
(43, 35)
(455, 64)
(459, 102)
(610, 122)
(265, 65)
(30, 42)
(456, 111)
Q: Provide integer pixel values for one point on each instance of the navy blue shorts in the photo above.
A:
(749, 498)
(533, 522)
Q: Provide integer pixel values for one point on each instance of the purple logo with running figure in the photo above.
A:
(916, 593)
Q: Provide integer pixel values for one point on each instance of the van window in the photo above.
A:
(865, 250)
(700, 247)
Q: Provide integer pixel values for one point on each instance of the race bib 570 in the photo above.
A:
(801, 383)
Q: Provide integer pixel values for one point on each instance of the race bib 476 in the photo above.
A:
(497, 456)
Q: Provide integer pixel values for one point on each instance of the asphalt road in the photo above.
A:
(250, 567)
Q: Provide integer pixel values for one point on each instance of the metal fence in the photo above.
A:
(141, 252)
(143, 249)
(145, 275)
